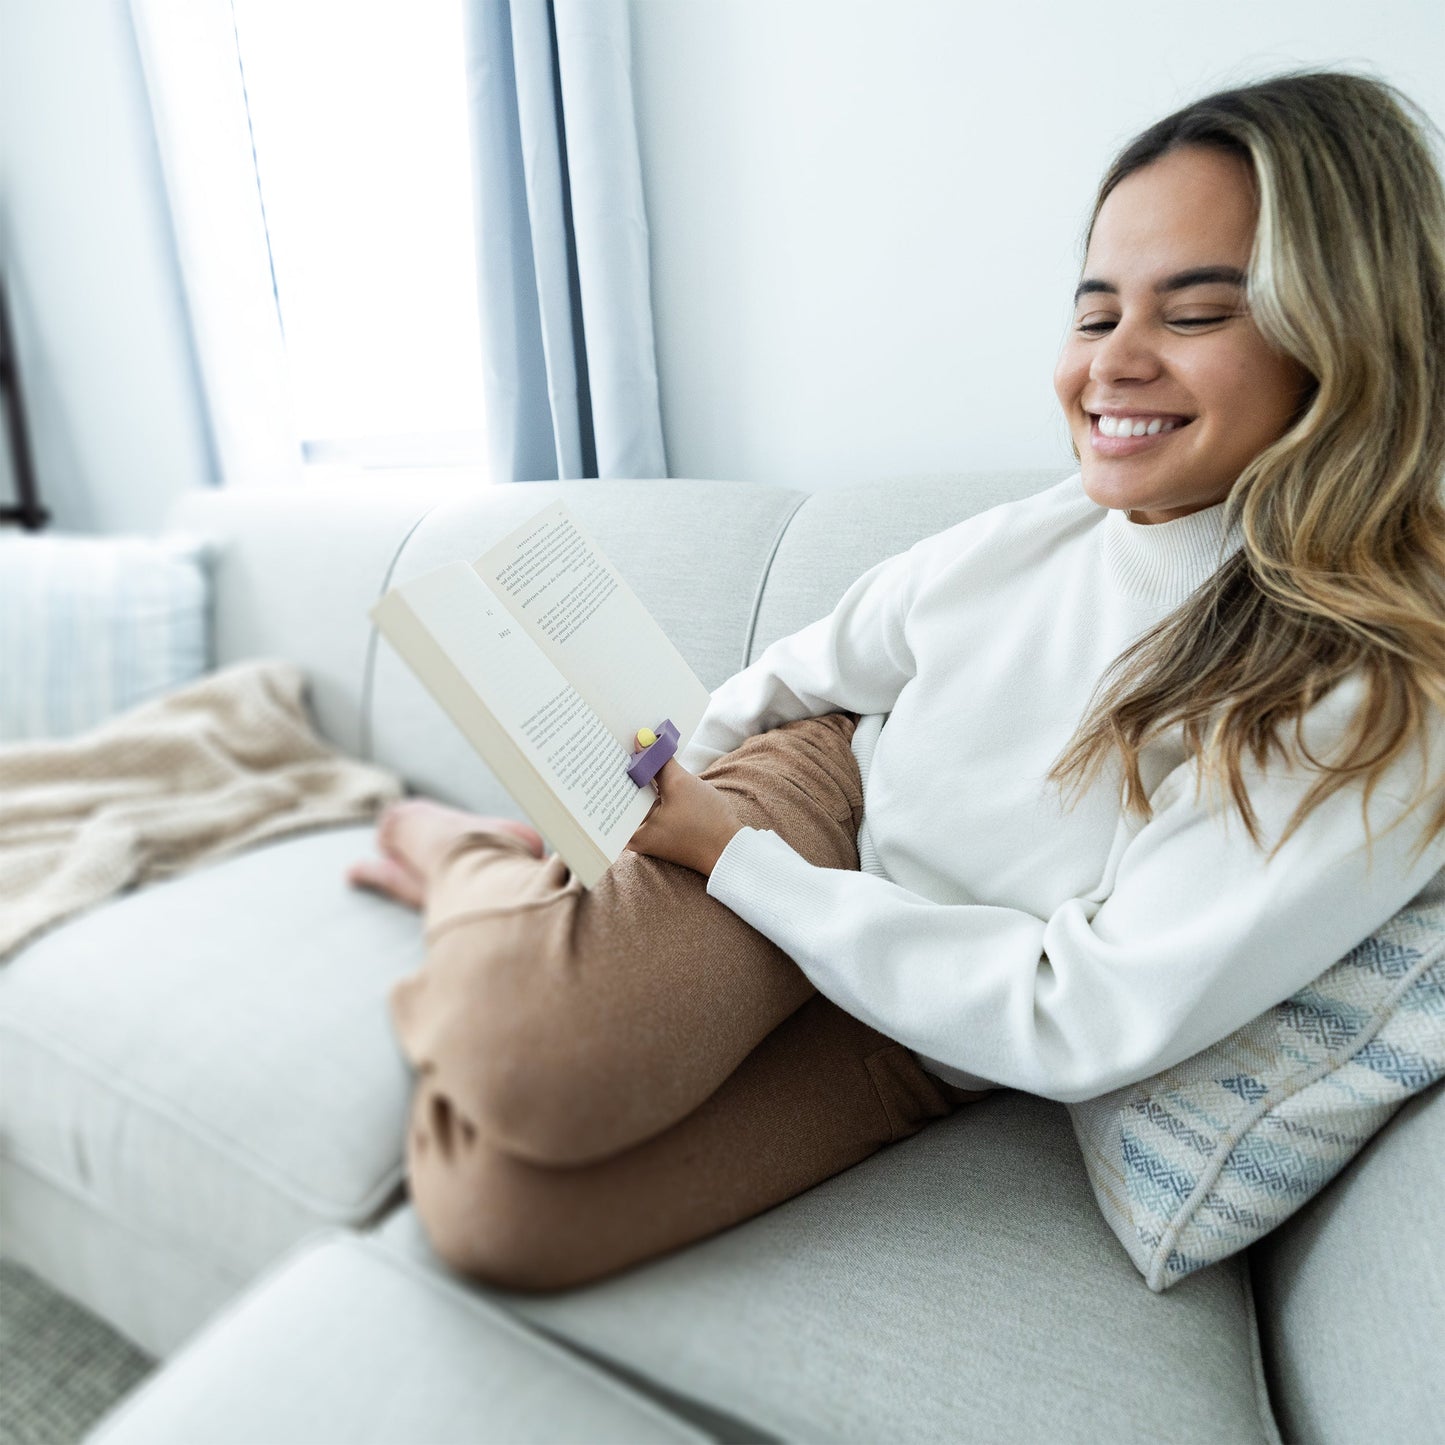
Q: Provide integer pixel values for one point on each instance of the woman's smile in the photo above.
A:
(1125, 434)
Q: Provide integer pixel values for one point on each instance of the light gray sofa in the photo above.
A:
(203, 1108)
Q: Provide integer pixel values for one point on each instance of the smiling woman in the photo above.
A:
(858, 901)
(1266, 269)
(1168, 386)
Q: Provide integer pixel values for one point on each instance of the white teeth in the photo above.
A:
(1123, 426)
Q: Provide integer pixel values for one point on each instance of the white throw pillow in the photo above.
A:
(93, 626)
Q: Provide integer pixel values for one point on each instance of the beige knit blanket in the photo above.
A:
(203, 771)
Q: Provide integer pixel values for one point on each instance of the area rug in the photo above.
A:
(61, 1368)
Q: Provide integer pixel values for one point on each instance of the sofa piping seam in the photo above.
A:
(368, 667)
(767, 571)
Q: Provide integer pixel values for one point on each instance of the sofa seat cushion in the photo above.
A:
(958, 1285)
(342, 1343)
(209, 1059)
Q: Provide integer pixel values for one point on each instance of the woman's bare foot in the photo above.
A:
(414, 835)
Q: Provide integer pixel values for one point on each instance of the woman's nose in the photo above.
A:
(1124, 354)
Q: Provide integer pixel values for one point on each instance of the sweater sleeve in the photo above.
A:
(856, 659)
(1197, 937)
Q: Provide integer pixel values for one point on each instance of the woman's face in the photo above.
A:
(1161, 342)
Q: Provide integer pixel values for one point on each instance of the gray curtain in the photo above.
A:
(562, 245)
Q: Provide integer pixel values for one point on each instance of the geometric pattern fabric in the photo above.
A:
(1201, 1160)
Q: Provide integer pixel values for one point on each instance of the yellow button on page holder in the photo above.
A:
(656, 746)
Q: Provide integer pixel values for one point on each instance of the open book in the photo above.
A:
(547, 662)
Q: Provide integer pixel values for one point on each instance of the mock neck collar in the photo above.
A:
(1164, 562)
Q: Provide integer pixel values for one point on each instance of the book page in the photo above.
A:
(558, 733)
(578, 609)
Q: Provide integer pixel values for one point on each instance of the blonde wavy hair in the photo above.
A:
(1342, 568)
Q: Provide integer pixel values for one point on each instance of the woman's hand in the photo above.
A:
(690, 823)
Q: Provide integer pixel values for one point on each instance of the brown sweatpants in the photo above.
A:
(604, 1076)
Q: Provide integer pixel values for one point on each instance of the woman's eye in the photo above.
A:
(1095, 328)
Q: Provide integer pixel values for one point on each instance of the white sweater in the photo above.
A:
(1000, 937)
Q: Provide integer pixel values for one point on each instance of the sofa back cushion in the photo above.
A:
(839, 533)
(294, 570)
(725, 567)
(695, 553)
(1352, 1293)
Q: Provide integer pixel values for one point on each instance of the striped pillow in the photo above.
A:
(1200, 1161)
(92, 626)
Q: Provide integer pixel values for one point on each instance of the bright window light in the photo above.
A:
(358, 120)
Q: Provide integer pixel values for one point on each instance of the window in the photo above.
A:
(358, 124)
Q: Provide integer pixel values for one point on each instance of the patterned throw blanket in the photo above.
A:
(203, 771)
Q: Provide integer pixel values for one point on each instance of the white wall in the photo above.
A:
(864, 222)
(116, 423)
(866, 217)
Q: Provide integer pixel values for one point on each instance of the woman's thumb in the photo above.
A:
(641, 741)
(666, 775)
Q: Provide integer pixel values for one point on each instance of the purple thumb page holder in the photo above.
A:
(647, 764)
